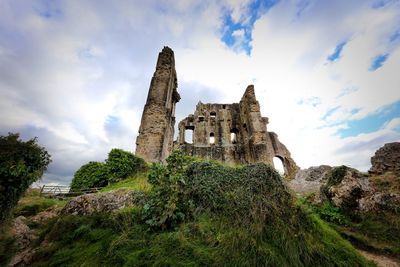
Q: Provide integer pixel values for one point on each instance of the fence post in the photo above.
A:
(41, 190)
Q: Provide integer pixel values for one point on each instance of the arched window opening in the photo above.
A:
(223, 106)
(278, 164)
(201, 118)
(212, 138)
(234, 133)
(213, 114)
(245, 126)
(189, 135)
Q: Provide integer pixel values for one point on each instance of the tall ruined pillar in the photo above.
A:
(258, 149)
(156, 131)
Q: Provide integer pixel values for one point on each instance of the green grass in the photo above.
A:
(31, 203)
(103, 240)
(375, 231)
(137, 182)
(7, 243)
(237, 217)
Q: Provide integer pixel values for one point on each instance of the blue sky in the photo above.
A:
(76, 73)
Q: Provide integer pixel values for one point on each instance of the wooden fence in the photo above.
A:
(65, 191)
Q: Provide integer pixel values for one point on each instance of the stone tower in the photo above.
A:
(155, 140)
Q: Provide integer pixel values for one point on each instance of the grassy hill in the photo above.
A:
(198, 213)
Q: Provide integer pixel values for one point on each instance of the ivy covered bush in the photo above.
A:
(21, 164)
(184, 188)
(119, 165)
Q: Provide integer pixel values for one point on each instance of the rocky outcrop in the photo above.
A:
(345, 187)
(387, 158)
(309, 180)
(24, 236)
(380, 201)
(354, 191)
(102, 202)
(22, 233)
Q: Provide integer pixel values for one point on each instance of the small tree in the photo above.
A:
(21, 164)
(92, 174)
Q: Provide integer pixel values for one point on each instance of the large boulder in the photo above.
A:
(387, 158)
(309, 180)
(102, 202)
(345, 187)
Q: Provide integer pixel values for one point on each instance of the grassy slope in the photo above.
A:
(375, 231)
(136, 182)
(210, 239)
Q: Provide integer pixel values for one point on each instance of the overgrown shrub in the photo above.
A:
(122, 164)
(92, 174)
(168, 204)
(183, 188)
(21, 164)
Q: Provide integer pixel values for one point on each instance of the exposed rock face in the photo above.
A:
(387, 158)
(24, 236)
(232, 133)
(309, 180)
(156, 131)
(380, 200)
(345, 187)
(102, 202)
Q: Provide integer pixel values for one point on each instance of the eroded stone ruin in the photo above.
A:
(232, 133)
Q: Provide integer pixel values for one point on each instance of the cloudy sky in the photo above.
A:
(75, 73)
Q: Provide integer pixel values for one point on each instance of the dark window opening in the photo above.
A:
(201, 118)
(223, 106)
(213, 114)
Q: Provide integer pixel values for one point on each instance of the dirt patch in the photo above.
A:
(380, 260)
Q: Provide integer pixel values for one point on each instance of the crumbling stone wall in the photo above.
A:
(155, 140)
(232, 133)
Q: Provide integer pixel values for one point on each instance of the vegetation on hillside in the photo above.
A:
(377, 230)
(200, 213)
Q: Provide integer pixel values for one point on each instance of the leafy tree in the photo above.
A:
(92, 174)
(122, 164)
(21, 164)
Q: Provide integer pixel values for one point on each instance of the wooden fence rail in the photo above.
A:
(65, 191)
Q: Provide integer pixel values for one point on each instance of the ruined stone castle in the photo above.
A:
(232, 133)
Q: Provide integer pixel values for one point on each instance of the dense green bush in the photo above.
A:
(21, 164)
(119, 165)
(169, 204)
(183, 188)
(122, 164)
(92, 174)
